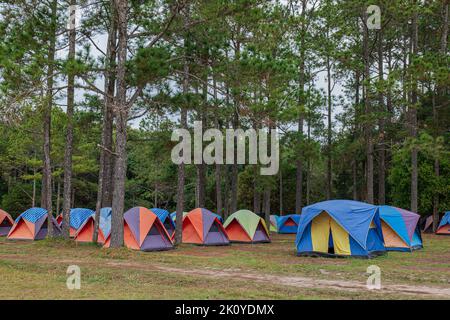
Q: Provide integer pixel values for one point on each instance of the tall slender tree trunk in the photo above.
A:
(120, 167)
(368, 111)
(280, 195)
(218, 167)
(69, 131)
(441, 92)
(355, 132)
(104, 189)
(308, 170)
(413, 114)
(329, 131)
(183, 120)
(381, 125)
(201, 168)
(47, 118)
(234, 166)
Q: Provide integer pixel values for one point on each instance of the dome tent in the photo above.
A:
(340, 228)
(77, 218)
(166, 220)
(246, 226)
(444, 225)
(32, 225)
(288, 223)
(400, 229)
(6, 223)
(143, 231)
(201, 226)
(86, 232)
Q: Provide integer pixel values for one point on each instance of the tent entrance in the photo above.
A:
(5, 223)
(391, 238)
(328, 236)
(290, 223)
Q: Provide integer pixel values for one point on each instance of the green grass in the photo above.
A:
(37, 270)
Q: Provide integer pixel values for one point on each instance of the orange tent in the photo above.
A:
(143, 231)
(201, 226)
(86, 232)
(6, 223)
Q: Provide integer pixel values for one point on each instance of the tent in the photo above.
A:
(6, 222)
(340, 228)
(400, 229)
(86, 232)
(273, 223)
(166, 219)
(173, 215)
(77, 218)
(201, 226)
(444, 226)
(144, 231)
(246, 226)
(288, 223)
(32, 225)
(428, 224)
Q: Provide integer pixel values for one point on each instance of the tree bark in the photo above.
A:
(413, 114)
(47, 117)
(69, 132)
(121, 111)
(218, 167)
(381, 125)
(368, 112)
(329, 131)
(441, 92)
(183, 120)
(104, 198)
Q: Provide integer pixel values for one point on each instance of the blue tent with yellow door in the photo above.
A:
(340, 228)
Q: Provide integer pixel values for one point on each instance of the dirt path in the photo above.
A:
(298, 282)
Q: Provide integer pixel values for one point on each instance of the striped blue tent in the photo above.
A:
(288, 223)
(166, 219)
(340, 228)
(32, 225)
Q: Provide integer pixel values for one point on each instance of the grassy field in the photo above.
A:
(37, 270)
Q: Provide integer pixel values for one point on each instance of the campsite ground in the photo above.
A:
(265, 271)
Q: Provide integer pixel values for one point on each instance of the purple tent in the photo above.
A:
(144, 231)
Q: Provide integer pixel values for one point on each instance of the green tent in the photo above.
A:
(246, 226)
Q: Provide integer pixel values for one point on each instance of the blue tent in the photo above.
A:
(78, 216)
(288, 223)
(400, 228)
(340, 228)
(32, 225)
(105, 221)
(444, 226)
(166, 219)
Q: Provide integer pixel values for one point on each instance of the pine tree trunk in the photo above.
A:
(47, 116)
(381, 124)
(69, 133)
(441, 93)
(104, 188)
(218, 167)
(368, 111)
(280, 176)
(329, 131)
(121, 7)
(183, 120)
(413, 116)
